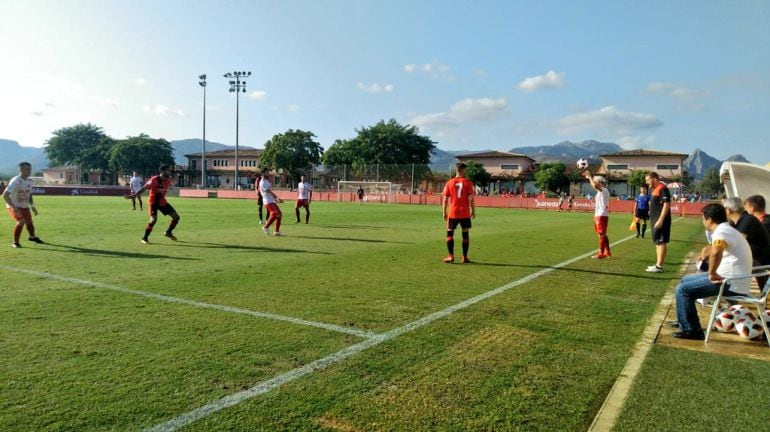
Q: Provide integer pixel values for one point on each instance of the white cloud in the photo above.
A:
(375, 87)
(550, 79)
(480, 72)
(294, 108)
(687, 99)
(433, 69)
(140, 82)
(464, 111)
(608, 120)
(163, 110)
(259, 95)
(631, 142)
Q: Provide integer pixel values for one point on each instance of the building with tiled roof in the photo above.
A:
(500, 164)
(619, 165)
(220, 167)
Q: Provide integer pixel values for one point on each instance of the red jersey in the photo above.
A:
(459, 189)
(158, 188)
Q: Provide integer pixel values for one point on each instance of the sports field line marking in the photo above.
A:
(613, 404)
(322, 363)
(170, 299)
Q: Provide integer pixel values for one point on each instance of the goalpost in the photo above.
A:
(378, 192)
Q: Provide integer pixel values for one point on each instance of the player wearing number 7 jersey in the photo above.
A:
(458, 208)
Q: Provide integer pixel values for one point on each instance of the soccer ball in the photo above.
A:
(582, 164)
(740, 311)
(748, 328)
(725, 321)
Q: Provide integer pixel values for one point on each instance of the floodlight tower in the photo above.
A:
(237, 85)
(202, 83)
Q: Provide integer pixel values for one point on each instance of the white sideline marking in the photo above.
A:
(322, 363)
(161, 297)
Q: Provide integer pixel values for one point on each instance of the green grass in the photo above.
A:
(541, 356)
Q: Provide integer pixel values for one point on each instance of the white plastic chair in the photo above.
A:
(759, 303)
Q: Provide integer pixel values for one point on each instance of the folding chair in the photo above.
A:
(759, 303)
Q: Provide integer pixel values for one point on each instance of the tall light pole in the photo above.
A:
(202, 83)
(237, 85)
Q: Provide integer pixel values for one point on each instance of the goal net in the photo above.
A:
(378, 192)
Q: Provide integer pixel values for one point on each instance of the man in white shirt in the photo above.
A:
(304, 196)
(730, 255)
(18, 201)
(601, 213)
(270, 199)
(135, 183)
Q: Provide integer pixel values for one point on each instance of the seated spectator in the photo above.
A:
(730, 255)
(755, 206)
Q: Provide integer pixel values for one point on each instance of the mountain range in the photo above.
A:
(566, 151)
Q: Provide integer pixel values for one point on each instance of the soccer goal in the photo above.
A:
(378, 192)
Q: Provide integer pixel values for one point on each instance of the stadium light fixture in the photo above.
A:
(237, 85)
(202, 83)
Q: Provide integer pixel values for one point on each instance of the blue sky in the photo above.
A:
(472, 75)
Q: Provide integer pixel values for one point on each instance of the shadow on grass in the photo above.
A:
(372, 227)
(348, 239)
(107, 253)
(641, 275)
(240, 247)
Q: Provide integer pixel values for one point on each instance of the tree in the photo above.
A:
(476, 173)
(383, 143)
(637, 178)
(76, 145)
(141, 153)
(710, 184)
(294, 151)
(384, 146)
(550, 176)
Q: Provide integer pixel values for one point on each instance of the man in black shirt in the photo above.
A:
(660, 218)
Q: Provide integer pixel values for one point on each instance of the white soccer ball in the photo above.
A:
(582, 164)
(725, 321)
(748, 328)
(740, 311)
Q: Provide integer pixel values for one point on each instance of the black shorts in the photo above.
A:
(166, 209)
(662, 235)
(642, 214)
(451, 224)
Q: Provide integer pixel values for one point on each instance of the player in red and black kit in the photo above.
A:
(158, 186)
(458, 197)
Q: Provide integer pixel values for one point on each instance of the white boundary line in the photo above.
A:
(165, 298)
(322, 363)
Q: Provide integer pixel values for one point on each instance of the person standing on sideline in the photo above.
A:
(304, 196)
(459, 208)
(561, 201)
(730, 255)
(270, 199)
(601, 213)
(135, 183)
(570, 200)
(360, 193)
(18, 201)
(642, 210)
(158, 186)
(660, 218)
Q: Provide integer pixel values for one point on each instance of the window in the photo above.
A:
(617, 166)
(194, 163)
(509, 166)
(667, 166)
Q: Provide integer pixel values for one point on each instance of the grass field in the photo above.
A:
(350, 323)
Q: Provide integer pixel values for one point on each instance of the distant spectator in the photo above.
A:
(755, 206)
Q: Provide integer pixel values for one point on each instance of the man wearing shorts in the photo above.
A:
(158, 186)
(304, 196)
(601, 213)
(135, 183)
(642, 211)
(18, 201)
(660, 218)
(459, 208)
(270, 199)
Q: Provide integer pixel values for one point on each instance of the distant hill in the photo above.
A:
(737, 158)
(699, 162)
(11, 153)
(194, 145)
(567, 151)
(443, 160)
